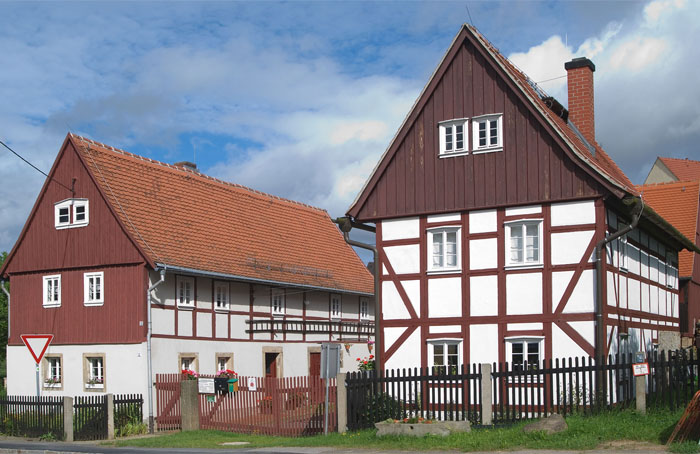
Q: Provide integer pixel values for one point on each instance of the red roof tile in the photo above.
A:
(678, 203)
(683, 169)
(184, 218)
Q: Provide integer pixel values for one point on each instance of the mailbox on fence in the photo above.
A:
(221, 385)
(233, 385)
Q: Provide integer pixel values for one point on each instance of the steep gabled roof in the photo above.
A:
(678, 203)
(591, 157)
(683, 169)
(184, 219)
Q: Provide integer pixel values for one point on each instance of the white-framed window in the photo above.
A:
(52, 290)
(336, 306)
(445, 355)
(185, 292)
(53, 373)
(93, 284)
(95, 371)
(277, 301)
(364, 308)
(622, 247)
(444, 251)
(224, 362)
(524, 352)
(71, 213)
(524, 242)
(221, 296)
(487, 133)
(187, 363)
(453, 136)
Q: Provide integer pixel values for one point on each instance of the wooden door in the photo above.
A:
(315, 364)
(271, 365)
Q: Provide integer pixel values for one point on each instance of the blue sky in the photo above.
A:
(300, 99)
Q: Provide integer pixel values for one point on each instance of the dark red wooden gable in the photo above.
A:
(533, 166)
(102, 242)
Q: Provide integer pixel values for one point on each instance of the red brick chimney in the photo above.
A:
(579, 72)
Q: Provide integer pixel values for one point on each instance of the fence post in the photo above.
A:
(68, 418)
(486, 399)
(110, 416)
(342, 403)
(189, 405)
(640, 390)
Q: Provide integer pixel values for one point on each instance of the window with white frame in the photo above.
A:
(277, 302)
(224, 362)
(524, 352)
(444, 249)
(221, 296)
(93, 284)
(53, 371)
(453, 136)
(188, 361)
(487, 133)
(185, 292)
(71, 213)
(622, 247)
(336, 306)
(444, 355)
(95, 371)
(52, 291)
(364, 308)
(524, 242)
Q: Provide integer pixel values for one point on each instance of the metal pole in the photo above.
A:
(37, 380)
(325, 424)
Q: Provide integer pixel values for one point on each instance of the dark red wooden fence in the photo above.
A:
(168, 401)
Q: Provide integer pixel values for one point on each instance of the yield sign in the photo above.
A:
(37, 344)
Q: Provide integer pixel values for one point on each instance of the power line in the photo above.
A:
(471, 22)
(33, 166)
(553, 78)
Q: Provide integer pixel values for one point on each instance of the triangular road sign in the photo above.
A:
(37, 344)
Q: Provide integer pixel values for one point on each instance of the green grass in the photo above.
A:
(585, 432)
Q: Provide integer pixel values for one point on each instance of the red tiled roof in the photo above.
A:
(678, 203)
(183, 218)
(683, 169)
(600, 160)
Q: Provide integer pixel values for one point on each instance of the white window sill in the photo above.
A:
(221, 310)
(71, 226)
(524, 266)
(445, 271)
(53, 385)
(487, 150)
(453, 154)
(94, 386)
(94, 303)
(623, 270)
(277, 315)
(189, 307)
(52, 305)
(335, 318)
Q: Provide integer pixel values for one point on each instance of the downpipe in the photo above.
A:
(7, 293)
(149, 360)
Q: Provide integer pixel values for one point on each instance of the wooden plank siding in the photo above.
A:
(116, 321)
(532, 168)
(42, 247)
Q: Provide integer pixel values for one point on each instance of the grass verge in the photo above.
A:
(585, 432)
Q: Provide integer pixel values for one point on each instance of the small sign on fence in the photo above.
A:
(206, 385)
(640, 369)
(251, 384)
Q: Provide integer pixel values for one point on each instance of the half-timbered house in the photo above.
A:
(490, 204)
(226, 276)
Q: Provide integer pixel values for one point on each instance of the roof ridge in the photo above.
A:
(196, 173)
(680, 159)
(671, 183)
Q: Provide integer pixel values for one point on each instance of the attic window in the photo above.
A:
(453, 137)
(487, 133)
(71, 213)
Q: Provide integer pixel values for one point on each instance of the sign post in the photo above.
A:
(330, 366)
(37, 345)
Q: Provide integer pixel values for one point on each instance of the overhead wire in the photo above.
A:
(35, 167)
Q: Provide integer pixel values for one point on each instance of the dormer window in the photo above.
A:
(453, 137)
(487, 133)
(71, 213)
